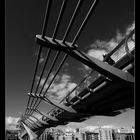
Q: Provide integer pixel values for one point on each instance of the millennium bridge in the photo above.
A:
(110, 93)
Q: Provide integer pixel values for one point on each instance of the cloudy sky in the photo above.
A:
(24, 19)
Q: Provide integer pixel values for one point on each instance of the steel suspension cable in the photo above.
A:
(72, 20)
(54, 36)
(68, 28)
(46, 60)
(46, 18)
(68, 31)
(48, 55)
(50, 70)
(40, 47)
(62, 62)
(84, 22)
(55, 32)
(59, 19)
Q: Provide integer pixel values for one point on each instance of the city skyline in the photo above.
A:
(96, 133)
(22, 24)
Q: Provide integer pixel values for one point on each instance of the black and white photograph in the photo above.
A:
(70, 70)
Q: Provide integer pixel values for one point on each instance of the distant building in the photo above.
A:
(96, 134)
(79, 136)
(125, 130)
(91, 136)
(77, 130)
(11, 135)
(105, 133)
(125, 136)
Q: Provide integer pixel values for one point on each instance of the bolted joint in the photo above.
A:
(55, 43)
(31, 94)
(28, 108)
(109, 60)
(42, 96)
(34, 95)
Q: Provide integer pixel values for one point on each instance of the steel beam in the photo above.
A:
(102, 67)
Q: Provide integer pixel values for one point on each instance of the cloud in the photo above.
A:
(108, 126)
(97, 53)
(81, 125)
(61, 86)
(101, 47)
(90, 128)
(11, 122)
(85, 127)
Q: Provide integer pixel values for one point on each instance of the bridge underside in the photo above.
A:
(102, 97)
(110, 93)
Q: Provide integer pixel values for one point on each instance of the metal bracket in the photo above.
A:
(54, 44)
(61, 106)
